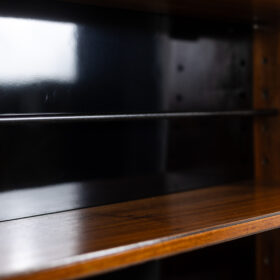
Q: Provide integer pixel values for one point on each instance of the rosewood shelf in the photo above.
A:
(95, 240)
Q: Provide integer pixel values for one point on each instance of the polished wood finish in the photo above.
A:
(268, 255)
(95, 240)
(266, 86)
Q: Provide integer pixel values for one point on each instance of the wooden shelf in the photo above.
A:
(95, 240)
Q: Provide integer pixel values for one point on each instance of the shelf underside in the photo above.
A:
(232, 9)
(99, 239)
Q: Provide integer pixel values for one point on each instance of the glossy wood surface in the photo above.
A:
(95, 240)
(268, 255)
(266, 86)
(266, 69)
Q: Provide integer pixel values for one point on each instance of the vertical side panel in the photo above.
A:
(268, 255)
(266, 94)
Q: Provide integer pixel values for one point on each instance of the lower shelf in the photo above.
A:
(95, 240)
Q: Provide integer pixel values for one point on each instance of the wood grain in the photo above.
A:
(95, 240)
(267, 138)
(266, 69)
(268, 255)
(266, 87)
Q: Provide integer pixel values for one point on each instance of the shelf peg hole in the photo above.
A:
(264, 127)
(265, 93)
(265, 60)
(266, 261)
(265, 161)
(180, 67)
(179, 98)
(242, 63)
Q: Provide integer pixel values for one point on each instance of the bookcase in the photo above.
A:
(139, 139)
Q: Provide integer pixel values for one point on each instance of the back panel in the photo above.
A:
(65, 58)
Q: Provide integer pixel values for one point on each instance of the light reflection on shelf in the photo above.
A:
(37, 50)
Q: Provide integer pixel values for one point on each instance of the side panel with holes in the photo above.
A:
(267, 139)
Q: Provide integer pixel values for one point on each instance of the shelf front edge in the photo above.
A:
(112, 259)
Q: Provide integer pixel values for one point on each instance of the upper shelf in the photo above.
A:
(99, 239)
(64, 118)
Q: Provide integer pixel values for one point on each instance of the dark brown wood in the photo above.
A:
(266, 88)
(268, 255)
(95, 240)
(267, 138)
